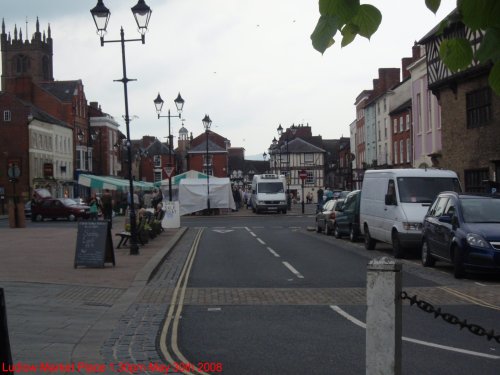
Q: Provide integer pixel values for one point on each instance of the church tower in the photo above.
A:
(25, 58)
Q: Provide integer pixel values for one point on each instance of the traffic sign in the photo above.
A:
(303, 174)
(169, 171)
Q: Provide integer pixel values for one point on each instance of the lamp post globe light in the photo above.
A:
(142, 14)
(206, 124)
(179, 103)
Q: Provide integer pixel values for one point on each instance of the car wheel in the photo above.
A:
(328, 231)
(369, 241)
(458, 264)
(336, 231)
(71, 217)
(427, 259)
(39, 217)
(397, 251)
(352, 234)
(284, 212)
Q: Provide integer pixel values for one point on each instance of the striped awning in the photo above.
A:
(111, 183)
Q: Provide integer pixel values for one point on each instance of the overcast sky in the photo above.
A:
(248, 64)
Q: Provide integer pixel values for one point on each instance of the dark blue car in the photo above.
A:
(463, 229)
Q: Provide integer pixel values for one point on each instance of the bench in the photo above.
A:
(125, 236)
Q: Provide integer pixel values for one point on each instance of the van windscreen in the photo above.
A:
(424, 189)
(270, 187)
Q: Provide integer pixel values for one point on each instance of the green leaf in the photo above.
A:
(433, 5)
(479, 14)
(488, 50)
(322, 36)
(456, 53)
(494, 78)
(368, 20)
(349, 32)
(344, 10)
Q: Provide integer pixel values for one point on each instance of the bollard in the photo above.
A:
(383, 317)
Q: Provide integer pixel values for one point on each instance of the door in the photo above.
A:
(390, 213)
(434, 227)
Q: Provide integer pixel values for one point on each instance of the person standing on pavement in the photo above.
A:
(94, 207)
(107, 206)
(320, 199)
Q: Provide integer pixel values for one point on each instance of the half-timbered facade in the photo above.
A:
(470, 112)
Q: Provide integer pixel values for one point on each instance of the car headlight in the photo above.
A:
(476, 240)
(412, 226)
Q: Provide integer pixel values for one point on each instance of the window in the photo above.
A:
(478, 107)
(157, 161)
(157, 176)
(474, 180)
(395, 123)
(401, 124)
(308, 158)
(407, 121)
(407, 150)
(401, 159)
(438, 207)
(7, 116)
(395, 152)
(379, 131)
(418, 114)
(310, 178)
(385, 104)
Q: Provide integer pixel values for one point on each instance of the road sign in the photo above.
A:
(303, 174)
(169, 171)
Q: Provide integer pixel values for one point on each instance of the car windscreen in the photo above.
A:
(481, 210)
(424, 189)
(270, 187)
(68, 202)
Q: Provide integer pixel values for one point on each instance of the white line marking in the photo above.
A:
(293, 270)
(273, 252)
(479, 284)
(262, 242)
(253, 234)
(425, 343)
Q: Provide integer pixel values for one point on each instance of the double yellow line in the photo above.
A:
(174, 313)
(466, 297)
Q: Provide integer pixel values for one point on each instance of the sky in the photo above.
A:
(248, 64)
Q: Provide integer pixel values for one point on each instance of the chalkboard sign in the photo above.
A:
(5, 354)
(94, 245)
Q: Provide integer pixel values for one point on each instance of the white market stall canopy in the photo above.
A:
(189, 174)
(193, 194)
(111, 183)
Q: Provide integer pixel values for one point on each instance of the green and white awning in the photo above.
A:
(111, 183)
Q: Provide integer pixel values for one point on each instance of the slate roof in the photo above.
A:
(298, 145)
(63, 90)
(202, 148)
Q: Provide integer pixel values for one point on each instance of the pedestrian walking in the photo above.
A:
(107, 207)
(320, 199)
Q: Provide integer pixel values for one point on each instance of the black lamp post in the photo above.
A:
(277, 167)
(179, 103)
(206, 124)
(142, 14)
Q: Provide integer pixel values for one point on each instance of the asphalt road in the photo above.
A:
(262, 294)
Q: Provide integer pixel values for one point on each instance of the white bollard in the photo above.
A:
(383, 317)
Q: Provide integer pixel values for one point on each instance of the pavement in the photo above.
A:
(88, 320)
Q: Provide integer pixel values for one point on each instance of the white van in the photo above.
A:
(268, 193)
(394, 203)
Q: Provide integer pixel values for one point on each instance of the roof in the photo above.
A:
(452, 18)
(63, 90)
(298, 145)
(157, 148)
(402, 107)
(202, 148)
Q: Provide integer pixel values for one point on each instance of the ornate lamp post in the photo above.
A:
(142, 14)
(277, 167)
(206, 124)
(179, 103)
(293, 130)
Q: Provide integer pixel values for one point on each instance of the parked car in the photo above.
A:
(54, 208)
(340, 194)
(463, 229)
(325, 219)
(27, 209)
(394, 204)
(347, 219)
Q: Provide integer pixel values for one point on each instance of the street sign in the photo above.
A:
(169, 171)
(303, 174)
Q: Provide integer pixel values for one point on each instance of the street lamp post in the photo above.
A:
(276, 145)
(179, 103)
(142, 14)
(207, 123)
